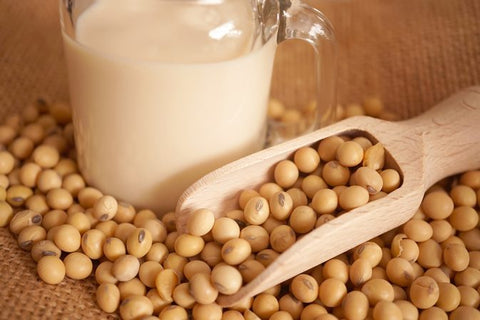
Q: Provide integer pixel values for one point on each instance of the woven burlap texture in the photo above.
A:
(412, 53)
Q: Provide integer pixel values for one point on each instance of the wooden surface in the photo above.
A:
(437, 144)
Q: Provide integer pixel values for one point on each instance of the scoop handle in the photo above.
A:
(450, 133)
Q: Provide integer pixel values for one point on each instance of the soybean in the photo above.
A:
(305, 288)
(80, 221)
(18, 194)
(225, 229)
(78, 265)
(226, 279)
(158, 252)
(67, 238)
(201, 222)
(108, 297)
(265, 305)
(104, 273)
(353, 197)
(235, 251)
(125, 267)
(424, 292)
(135, 307)
(195, 266)
(139, 242)
(173, 312)
(257, 237)
(93, 242)
(51, 269)
(165, 282)
(370, 179)
(437, 205)
(377, 290)
(202, 288)
(7, 162)
(131, 287)
(327, 148)
(105, 208)
(54, 218)
(306, 159)
(188, 245)
(125, 212)
(113, 248)
(182, 297)
(250, 269)
(23, 219)
(46, 156)
(256, 210)
(303, 219)
(47, 180)
(44, 248)
(331, 292)
(360, 271)
(355, 305)
(282, 238)
(31, 235)
(281, 205)
(349, 154)
(29, 173)
(286, 173)
(335, 174)
(59, 198)
(387, 310)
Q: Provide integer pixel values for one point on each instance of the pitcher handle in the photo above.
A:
(303, 22)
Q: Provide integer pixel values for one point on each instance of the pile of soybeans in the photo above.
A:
(429, 268)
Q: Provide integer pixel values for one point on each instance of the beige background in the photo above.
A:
(412, 53)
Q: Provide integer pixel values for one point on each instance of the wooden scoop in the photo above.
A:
(443, 141)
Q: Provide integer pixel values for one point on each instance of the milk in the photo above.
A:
(157, 103)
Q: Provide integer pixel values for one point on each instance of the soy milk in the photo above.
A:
(164, 92)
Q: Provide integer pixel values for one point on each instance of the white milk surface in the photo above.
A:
(164, 92)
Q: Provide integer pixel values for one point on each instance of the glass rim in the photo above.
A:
(68, 14)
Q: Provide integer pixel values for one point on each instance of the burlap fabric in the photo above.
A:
(412, 53)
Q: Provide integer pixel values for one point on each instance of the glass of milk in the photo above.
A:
(164, 91)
